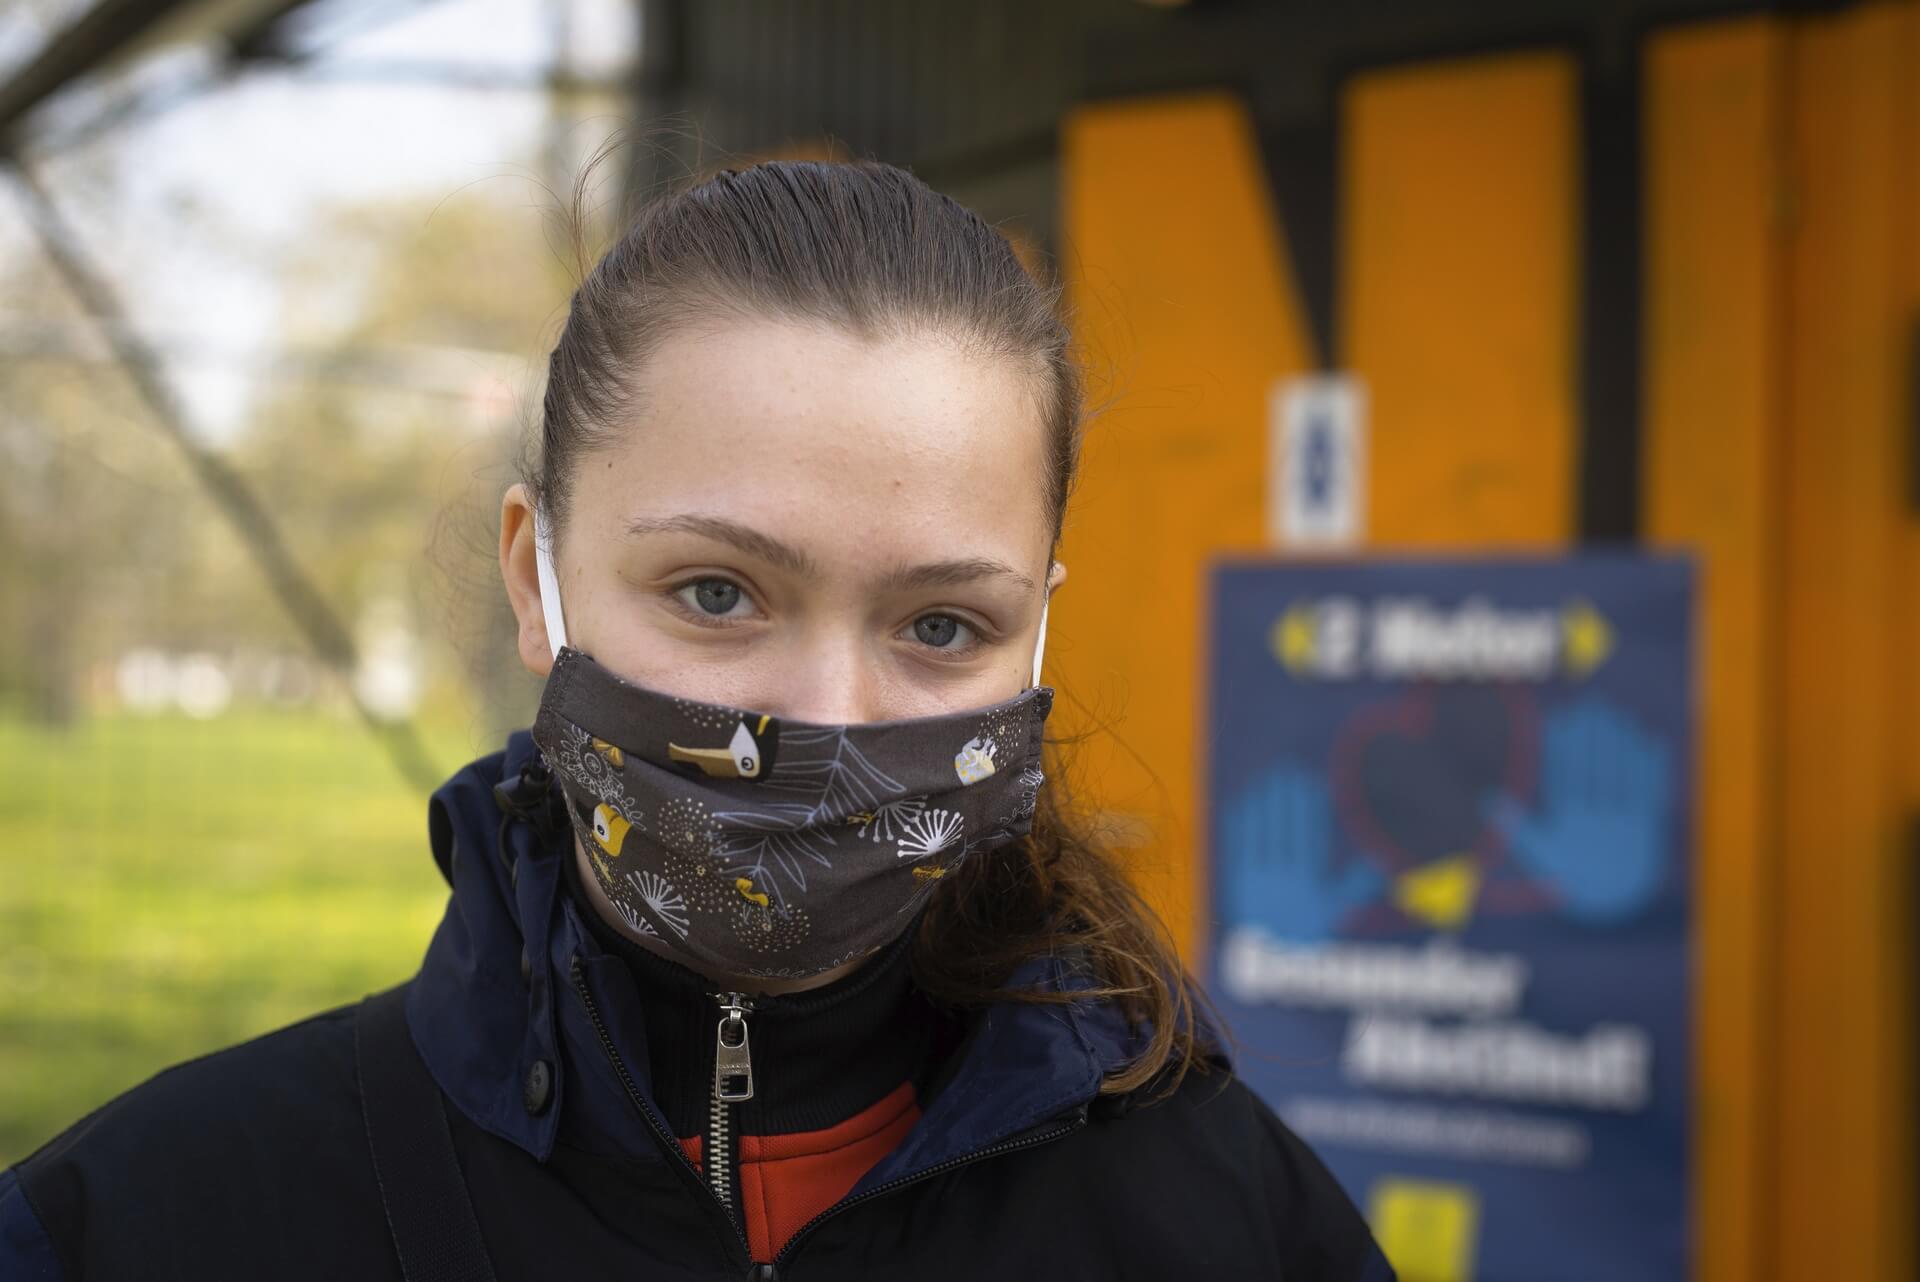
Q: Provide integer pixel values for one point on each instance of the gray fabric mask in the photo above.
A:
(752, 846)
(755, 846)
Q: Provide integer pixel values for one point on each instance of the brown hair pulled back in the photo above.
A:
(872, 251)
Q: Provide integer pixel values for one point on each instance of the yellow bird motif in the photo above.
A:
(609, 829)
(974, 762)
(742, 758)
(745, 886)
(610, 753)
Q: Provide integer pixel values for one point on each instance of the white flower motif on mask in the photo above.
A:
(1028, 798)
(661, 899)
(630, 915)
(929, 833)
(886, 822)
(590, 771)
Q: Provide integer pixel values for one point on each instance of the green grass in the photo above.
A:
(170, 886)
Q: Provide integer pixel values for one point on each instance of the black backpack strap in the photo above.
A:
(428, 1210)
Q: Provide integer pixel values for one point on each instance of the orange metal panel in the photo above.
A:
(1457, 304)
(1186, 308)
(1714, 349)
(1844, 1197)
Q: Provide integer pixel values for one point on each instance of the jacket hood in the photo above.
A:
(497, 1003)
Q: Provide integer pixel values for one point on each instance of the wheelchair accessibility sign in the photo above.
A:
(1449, 836)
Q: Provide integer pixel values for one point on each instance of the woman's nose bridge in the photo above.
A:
(832, 679)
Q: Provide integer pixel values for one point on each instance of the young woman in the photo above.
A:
(770, 953)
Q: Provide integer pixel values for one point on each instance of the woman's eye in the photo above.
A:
(941, 631)
(716, 598)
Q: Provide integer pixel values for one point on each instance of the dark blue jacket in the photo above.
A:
(253, 1162)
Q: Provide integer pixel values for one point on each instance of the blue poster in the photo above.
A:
(1449, 833)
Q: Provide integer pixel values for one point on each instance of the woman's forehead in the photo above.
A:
(759, 374)
(787, 427)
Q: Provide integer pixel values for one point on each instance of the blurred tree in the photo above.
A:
(92, 521)
(412, 347)
(388, 463)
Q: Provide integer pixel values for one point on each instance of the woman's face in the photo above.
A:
(804, 523)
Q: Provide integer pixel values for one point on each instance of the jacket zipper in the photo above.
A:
(732, 1084)
(720, 1116)
(645, 1109)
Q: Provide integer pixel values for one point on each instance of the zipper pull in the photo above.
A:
(732, 1061)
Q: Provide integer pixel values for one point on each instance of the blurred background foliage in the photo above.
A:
(200, 839)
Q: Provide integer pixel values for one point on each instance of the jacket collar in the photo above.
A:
(496, 1009)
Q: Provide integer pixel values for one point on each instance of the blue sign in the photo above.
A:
(1449, 809)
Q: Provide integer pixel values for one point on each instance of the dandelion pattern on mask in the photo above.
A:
(690, 838)
(631, 915)
(769, 928)
(685, 825)
(884, 823)
(929, 833)
(706, 886)
(661, 900)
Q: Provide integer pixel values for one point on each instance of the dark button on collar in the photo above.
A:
(539, 1091)
(525, 795)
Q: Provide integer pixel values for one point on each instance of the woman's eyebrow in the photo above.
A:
(933, 574)
(945, 574)
(744, 537)
(793, 561)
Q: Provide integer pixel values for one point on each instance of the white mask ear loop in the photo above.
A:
(550, 583)
(1040, 642)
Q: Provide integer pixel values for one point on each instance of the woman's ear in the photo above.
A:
(521, 573)
(1055, 577)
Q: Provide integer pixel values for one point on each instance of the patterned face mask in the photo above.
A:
(751, 845)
